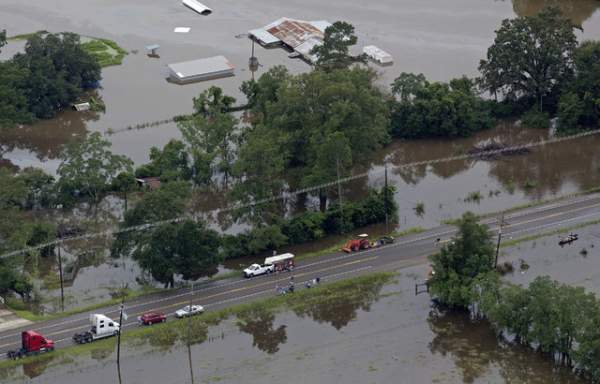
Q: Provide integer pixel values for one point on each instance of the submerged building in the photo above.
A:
(200, 70)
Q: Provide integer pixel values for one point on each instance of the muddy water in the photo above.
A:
(378, 337)
(575, 264)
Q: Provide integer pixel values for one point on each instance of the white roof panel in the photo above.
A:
(201, 66)
(262, 35)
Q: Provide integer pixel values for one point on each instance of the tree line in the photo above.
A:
(51, 73)
(560, 321)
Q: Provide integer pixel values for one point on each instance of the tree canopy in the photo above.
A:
(334, 53)
(89, 167)
(532, 56)
(424, 109)
(52, 72)
(457, 266)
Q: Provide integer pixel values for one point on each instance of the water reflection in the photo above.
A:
(258, 322)
(340, 307)
(46, 138)
(577, 11)
(35, 368)
(476, 351)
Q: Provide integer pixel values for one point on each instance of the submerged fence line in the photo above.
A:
(285, 195)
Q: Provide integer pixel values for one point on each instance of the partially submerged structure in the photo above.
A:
(197, 6)
(296, 35)
(199, 70)
(82, 107)
(378, 55)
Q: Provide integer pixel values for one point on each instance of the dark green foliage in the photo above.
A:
(2, 38)
(170, 163)
(587, 84)
(334, 53)
(88, 168)
(570, 111)
(536, 119)
(312, 226)
(51, 73)
(458, 265)
(532, 57)
(436, 109)
(188, 249)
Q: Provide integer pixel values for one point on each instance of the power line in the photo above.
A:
(287, 195)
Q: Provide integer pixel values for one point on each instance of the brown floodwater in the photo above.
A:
(381, 335)
(441, 39)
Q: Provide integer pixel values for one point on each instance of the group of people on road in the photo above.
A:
(282, 290)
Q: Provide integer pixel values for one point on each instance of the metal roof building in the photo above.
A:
(297, 35)
(199, 70)
(197, 6)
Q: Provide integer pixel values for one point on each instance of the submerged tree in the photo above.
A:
(458, 264)
(531, 57)
(334, 53)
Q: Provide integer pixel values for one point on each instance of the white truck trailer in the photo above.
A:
(277, 263)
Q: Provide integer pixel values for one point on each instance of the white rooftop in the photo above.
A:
(201, 66)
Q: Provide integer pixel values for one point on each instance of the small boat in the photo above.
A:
(568, 239)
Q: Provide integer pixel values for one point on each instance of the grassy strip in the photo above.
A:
(25, 36)
(527, 205)
(18, 308)
(107, 52)
(167, 334)
(512, 242)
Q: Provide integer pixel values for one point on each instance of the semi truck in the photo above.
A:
(101, 327)
(32, 343)
(277, 263)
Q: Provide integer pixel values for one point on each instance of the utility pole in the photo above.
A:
(190, 335)
(499, 238)
(119, 339)
(385, 200)
(340, 192)
(60, 274)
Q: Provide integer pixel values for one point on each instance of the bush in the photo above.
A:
(536, 119)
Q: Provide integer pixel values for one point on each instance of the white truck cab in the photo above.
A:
(103, 326)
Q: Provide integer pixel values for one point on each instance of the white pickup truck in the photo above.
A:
(277, 263)
(257, 269)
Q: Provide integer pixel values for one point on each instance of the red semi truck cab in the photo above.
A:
(32, 343)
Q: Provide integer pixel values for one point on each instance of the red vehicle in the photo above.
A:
(32, 343)
(150, 318)
(361, 242)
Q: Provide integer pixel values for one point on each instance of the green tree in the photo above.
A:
(436, 109)
(265, 90)
(587, 81)
(40, 187)
(124, 183)
(334, 53)
(531, 57)
(188, 249)
(170, 163)
(570, 110)
(14, 105)
(459, 263)
(89, 167)
(59, 69)
(212, 101)
(2, 38)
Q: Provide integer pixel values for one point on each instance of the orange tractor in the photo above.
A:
(361, 242)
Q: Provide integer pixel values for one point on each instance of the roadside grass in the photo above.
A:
(513, 242)
(532, 204)
(195, 329)
(25, 36)
(20, 309)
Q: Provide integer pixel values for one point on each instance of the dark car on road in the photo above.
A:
(152, 318)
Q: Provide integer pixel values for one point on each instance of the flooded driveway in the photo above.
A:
(382, 335)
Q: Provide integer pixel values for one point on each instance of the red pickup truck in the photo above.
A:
(150, 318)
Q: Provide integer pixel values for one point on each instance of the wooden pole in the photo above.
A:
(119, 340)
(60, 273)
(499, 239)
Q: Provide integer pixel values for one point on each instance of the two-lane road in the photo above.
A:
(408, 250)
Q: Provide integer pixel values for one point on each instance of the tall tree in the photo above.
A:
(458, 264)
(334, 53)
(2, 38)
(531, 56)
(587, 81)
(89, 167)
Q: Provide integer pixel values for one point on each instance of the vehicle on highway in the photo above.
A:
(383, 240)
(150, 318)
(189, 310)
(277, 263)
(101, 327)
(32, 343)
(257, 269)
(360, 242)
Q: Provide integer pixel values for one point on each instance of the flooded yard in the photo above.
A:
(384, 335)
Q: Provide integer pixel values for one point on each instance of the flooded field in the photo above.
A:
(381, 336)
